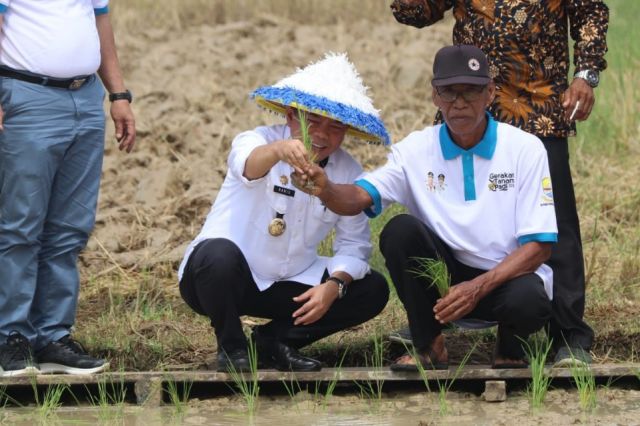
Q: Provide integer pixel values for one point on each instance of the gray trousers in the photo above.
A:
(51, 153)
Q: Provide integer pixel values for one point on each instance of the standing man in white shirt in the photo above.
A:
(257, 251)
(492, 222)
(52, 129)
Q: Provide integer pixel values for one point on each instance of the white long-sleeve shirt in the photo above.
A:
(244, 208)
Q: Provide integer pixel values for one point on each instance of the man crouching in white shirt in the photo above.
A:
(257, 251)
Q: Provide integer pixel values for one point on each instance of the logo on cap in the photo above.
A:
(474, 64)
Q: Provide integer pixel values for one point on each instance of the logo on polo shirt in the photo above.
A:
(433, 185)
(502, 181)
(547, 192)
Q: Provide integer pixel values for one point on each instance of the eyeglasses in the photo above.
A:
(469, 94)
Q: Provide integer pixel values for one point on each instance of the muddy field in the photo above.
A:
(615, 407)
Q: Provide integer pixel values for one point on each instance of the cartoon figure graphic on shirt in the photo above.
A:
(431, 186)
(441, 185)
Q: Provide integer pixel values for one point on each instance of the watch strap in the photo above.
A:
(342, 286)
(126, 95)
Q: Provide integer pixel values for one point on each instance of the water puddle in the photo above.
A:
(614, 406)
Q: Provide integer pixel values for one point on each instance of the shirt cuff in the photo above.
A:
(355, 267)
(3, 8)
(101, 10)
(543, 237)
(376, 208)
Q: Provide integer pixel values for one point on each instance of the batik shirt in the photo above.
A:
(527, 47)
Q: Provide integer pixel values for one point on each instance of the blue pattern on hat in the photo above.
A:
(287, 96)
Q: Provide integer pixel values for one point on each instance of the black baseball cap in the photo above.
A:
(460, 64)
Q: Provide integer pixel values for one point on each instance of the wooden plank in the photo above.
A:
(471, 372)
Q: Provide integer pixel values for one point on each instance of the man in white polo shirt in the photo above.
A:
(257, 253)
(491, 218)
(51, 147)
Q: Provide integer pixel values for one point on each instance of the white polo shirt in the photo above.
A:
(483, 202)
(244, 208)
(56, 38)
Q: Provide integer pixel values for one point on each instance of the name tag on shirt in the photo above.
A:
(284, 191)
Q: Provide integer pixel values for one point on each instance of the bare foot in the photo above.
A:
(502, 362)
(435, 357)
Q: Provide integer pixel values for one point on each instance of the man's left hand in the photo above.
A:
(579, 90)
(461, 299)
(122, 116)
(317, 301)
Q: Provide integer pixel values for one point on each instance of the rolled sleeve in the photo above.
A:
(241, 148)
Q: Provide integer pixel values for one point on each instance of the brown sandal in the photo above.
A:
(425, 360)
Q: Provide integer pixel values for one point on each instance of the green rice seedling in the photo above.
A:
(434, 270)
(248, 387)
(585, 381)
(292, 388)
(443, 385)
(110, 399)
(537, 351)
(51, 400)
(305, 136)
(372, 389)
(331, 385)
(179, 397)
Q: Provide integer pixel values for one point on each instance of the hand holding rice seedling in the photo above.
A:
(436, 271)
(308, 143)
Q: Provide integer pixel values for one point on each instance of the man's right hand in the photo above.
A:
(292, 152)
(1, 119)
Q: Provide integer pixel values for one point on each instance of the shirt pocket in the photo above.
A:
(320, 221)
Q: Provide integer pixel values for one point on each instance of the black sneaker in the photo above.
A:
(69, 357)
(16, 358)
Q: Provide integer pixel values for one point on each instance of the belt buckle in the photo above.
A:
(77, 83)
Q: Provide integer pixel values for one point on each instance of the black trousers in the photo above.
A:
(567, 323)
(520, 306)
(217, 282)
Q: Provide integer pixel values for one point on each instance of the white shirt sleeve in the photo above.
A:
(351, 247)
(388, 183)
(535, 210)
(100, 4)
(241, 148)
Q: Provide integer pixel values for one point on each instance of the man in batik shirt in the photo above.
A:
(527, 46)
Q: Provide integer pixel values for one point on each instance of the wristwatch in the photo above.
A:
(126, 95)
(342, 286)
(591, 77)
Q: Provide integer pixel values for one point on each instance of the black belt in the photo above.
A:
(63, 83)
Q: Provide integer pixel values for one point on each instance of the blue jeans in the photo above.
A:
(51, 153)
